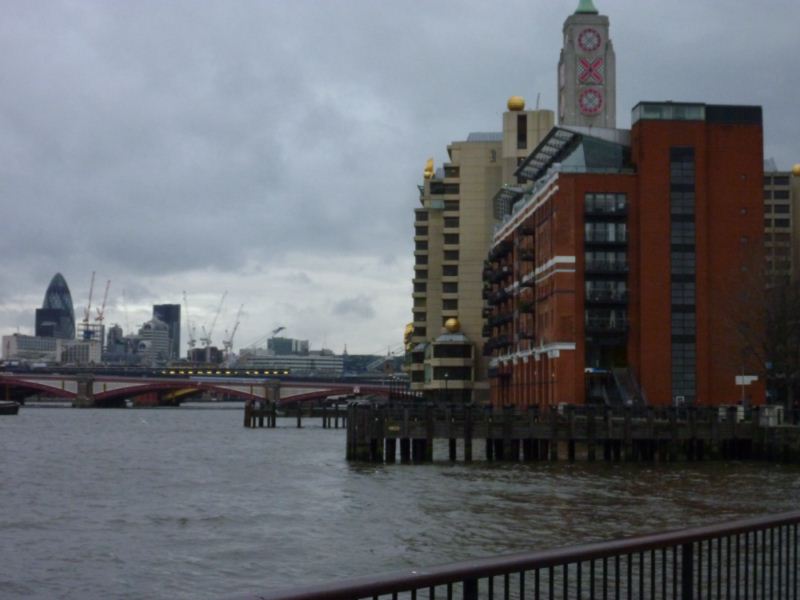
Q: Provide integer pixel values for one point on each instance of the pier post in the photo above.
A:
(248, 413)
(430, 431)
(299, 416)
(590, 435)
(553, 450)
(391, 451)
(468, 434)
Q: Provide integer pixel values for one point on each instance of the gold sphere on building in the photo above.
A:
(796, 170)
(452, 325)
(516, 103)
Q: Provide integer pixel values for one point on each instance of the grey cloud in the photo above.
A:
(360, 307)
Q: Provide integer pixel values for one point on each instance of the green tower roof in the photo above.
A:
(586, 7)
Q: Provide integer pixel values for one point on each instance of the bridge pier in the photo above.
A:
(84, 397)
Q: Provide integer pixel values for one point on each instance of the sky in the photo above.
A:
(272, 148)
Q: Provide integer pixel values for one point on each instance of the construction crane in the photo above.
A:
(190, 339)
(88, 312)
(227, 343)
(101, 312)
(206, 339)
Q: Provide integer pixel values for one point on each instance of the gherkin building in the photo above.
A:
(56, 318)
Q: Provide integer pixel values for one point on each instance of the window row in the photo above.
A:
(606, 232)
(605, 203)
(776, 194)
(777, 223)
(780, 209)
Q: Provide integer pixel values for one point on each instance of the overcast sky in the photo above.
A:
(273, 148)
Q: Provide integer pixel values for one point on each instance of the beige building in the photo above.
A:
(781, 224)
(453, 228)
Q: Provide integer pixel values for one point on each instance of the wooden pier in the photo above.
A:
(266, 415)
(375, 433)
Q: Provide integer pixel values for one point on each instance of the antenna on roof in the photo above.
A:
(538, 95)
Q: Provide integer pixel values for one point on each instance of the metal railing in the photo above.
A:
(748, 558)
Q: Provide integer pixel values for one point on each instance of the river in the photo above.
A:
(186, 503)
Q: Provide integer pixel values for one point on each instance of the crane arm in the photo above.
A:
(101, 312)
(216, 316)
(88, 312)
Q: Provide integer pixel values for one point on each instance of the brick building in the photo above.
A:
(623, 272)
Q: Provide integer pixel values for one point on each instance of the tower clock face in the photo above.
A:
(590, 101)
(589, 40)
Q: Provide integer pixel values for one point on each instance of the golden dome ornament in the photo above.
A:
(516, 103)
(452, 325)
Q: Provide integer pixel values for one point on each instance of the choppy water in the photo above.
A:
(187, 503)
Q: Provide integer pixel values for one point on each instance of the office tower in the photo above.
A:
(170, 314)
(56, 318)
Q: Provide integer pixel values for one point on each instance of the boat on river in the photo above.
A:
(8, 407)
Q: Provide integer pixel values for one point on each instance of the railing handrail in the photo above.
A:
(404, 580)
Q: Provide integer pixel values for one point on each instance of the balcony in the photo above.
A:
(498, 297)
(501, 319)
(526, 254)
(500, 250)
(607, 324)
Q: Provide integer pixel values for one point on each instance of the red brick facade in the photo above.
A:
(631, 284)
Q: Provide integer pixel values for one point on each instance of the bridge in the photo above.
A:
(108, 391)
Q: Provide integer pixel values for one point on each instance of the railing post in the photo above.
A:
(687, 571)
(470, 589)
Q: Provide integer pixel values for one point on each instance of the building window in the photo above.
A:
(450, 287)
(451, 171)
(782, 209)
(683, 293)
(682, 263)
(450, 270)
(522, 131)
(451, 205)
(451, 239)
(682, 233)
(605, 232)
(451, 188)
(421, 274)
(419, 317)
(420, 302)
(420, 331)
(780, 180)
(451, 254)
(452, 373)
(781, 222)
(450, 222)
(420, 286)
(780, 194)
(452, 351)
(681, 203)
(422, 215)
(767, 222)
(450, 304)
(767, 195)
(421, 230)
(422, 259)
(421, 245)
(683, 323)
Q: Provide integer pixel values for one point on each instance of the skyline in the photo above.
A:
(170, 154)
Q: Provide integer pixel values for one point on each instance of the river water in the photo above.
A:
(186, 503)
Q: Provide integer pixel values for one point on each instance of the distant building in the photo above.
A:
(781, 224)
(281, 345)
(153, 342)
(171, 315)
(30, 348)
(56, 318)
(316, 362)
(51, 350)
